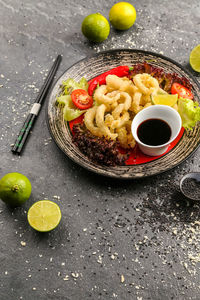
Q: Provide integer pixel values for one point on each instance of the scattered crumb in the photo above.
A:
(66, 278)
(75, 275)
(99, 260)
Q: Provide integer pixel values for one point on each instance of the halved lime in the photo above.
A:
(195, 58)
(44, 215)
(164, 99)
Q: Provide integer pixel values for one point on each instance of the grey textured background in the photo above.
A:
(144, 230)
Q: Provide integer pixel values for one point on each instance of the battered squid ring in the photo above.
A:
(135, 106)
(146, 83)
(118, 83)
(118, 110)
(125, 137)
(100, 112)
(89, 121)
(122, 106)
(120, 121)
(101, 95)
(127, 100)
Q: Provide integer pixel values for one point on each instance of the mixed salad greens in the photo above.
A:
(70, 111)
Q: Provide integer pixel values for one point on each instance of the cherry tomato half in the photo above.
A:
(182, 91)
(81, 99)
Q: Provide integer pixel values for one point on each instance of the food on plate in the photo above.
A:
(15, 189)
(44, 215)
(110, 101)
(122, 15)
(95, 27)
(116, 103)
(195, 58)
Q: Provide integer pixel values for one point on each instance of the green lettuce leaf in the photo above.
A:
(83, 83)
(70, 112)
(70, 84)
(189, 112)
(63, 99)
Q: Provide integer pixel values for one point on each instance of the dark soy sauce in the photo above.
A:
(154, 132)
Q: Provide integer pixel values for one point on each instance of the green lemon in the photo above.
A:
(122, 15)
(15, 189)
(96, 27)
(44, 215)
(164, 99)
(195, 58)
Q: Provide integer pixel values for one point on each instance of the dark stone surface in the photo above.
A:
(143, 230)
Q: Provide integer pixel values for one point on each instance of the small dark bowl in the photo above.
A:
(190, 193)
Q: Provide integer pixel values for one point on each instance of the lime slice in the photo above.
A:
(44, 215)
(195, 58)
(165, 99)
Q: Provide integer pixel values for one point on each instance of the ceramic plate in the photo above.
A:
(95, 65)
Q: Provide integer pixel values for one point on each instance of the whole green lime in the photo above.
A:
(96, 28)
(15, 189)
(122, 15)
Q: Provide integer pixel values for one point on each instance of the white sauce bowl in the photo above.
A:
(162, 112)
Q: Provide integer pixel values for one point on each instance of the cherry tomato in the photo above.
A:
(81, 99)
(182, 91)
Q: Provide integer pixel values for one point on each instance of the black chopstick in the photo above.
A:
(28, 124)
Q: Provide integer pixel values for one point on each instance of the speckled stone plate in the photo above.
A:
(95, 65)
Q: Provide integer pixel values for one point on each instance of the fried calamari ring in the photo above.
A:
(120, 121)
(117, 111)
(125, 137)
(145, 99)
(146, 83)
(100, 112)
(135, 106)
(102, 97)
(118, 83)
(89, 121)
(126, 98)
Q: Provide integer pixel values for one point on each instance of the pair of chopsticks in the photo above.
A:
(28, 124)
